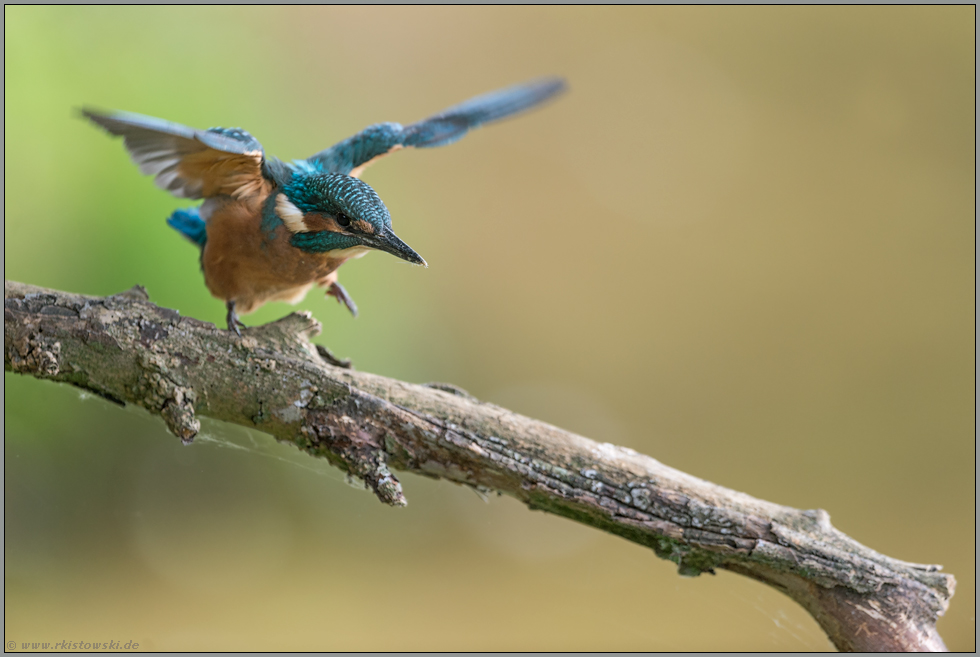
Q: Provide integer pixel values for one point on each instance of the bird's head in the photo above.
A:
(336, 212)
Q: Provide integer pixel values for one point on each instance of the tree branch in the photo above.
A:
(273, 378)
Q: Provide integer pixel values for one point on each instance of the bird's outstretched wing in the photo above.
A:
(186, 162)
(352, 155)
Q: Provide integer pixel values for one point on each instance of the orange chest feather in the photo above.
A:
(242, 262)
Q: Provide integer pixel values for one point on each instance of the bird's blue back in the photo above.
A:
(188, 223)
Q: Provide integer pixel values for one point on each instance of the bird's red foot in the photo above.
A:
(232, 318)
(337, 291)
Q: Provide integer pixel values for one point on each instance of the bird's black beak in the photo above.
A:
(389, 242)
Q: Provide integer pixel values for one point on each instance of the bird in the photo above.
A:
(270, 230)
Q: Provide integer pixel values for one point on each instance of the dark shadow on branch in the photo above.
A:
(273, 378)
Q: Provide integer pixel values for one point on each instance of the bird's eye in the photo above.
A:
(343, 220)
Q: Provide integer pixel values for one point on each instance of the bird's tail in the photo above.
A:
(188, 223)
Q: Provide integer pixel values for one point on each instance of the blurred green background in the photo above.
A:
(743, 244)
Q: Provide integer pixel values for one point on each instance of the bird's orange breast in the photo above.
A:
(243, 264)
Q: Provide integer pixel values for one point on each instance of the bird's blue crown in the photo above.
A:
(336, 193)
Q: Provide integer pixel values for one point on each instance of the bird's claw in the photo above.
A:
(232, 318)
(337, 291)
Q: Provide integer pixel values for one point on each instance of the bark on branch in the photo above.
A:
(273, 378)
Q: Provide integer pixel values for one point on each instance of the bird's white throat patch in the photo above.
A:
(290, 214)
(350, 253)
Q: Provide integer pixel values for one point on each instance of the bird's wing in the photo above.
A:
(186, 162)
(352, 155)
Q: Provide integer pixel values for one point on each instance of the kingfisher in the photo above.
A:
(270, 230)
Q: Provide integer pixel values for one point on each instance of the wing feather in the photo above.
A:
(352, 155)
(186, 162)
